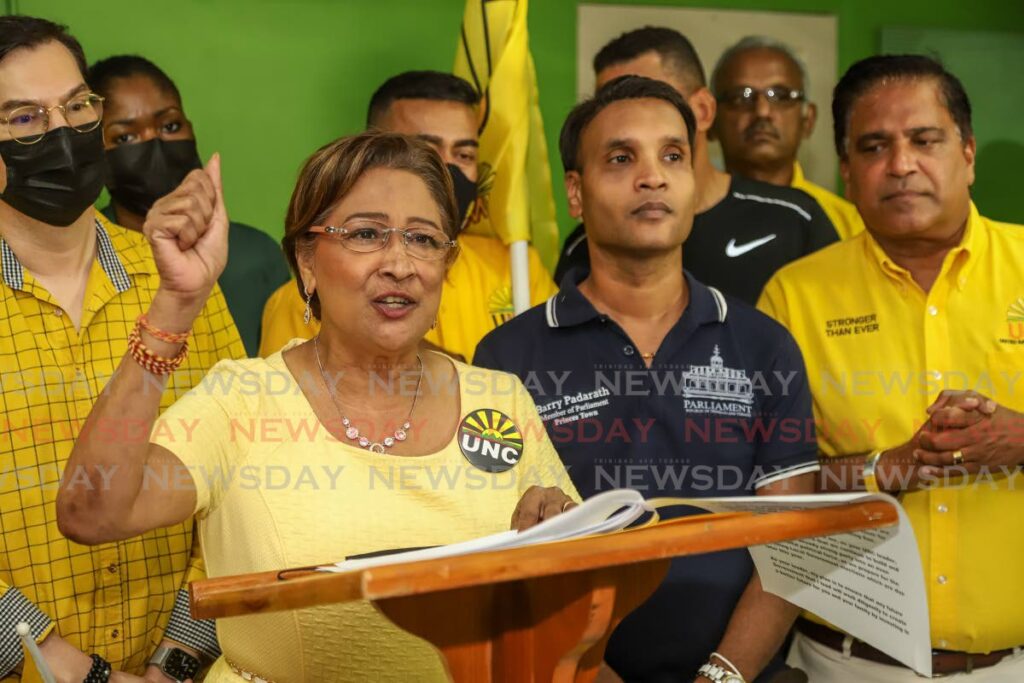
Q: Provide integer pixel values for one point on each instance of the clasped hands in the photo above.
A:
(970, 432)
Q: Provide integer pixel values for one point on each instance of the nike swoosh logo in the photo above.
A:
(733, 250)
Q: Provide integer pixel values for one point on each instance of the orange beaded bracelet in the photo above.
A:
(150, 361)
(157, 333)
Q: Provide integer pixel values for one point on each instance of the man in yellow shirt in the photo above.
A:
(71, 288)
(440, 109)
(913, 334)
(763, 116)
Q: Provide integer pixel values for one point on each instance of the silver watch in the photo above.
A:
(175, 663)
(715, 673)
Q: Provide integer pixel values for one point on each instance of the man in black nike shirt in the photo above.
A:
(744, 230)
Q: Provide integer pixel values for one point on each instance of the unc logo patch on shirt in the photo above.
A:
(490, 440)
(1014, 323)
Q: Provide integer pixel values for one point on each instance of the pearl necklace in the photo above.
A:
(401, 434)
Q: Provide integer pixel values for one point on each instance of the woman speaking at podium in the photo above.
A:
(359, 440)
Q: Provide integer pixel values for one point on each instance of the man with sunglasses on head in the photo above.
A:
(74, 289)
(744, 230)
(763, 116)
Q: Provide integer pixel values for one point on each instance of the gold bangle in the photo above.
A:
(870, 480)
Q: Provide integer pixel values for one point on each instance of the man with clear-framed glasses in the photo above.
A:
(28, 123)
(72, 286)
(763, 116)
(28, 151)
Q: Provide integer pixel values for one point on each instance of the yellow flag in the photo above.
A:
(514, 189)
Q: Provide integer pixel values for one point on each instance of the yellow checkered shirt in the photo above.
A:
(115, 599)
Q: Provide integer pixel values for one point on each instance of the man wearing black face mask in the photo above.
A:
(151, 147)
(54, 176)
(439, 109)
(72, 288)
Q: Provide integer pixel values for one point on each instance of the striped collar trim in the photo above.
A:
(549, 311)
(14, 273)
(706, 303)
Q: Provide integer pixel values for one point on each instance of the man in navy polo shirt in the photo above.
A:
(647, 379)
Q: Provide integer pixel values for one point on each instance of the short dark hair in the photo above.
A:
(616, 90)
(18, 31)
(419, 85)
(867, 73)
(104, 72)
(671, 45)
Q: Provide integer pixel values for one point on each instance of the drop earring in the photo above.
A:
(308, 313)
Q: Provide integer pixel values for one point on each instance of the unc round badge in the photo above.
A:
(490, 440)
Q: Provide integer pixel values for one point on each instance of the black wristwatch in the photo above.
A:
(99, 672)
(175, 663)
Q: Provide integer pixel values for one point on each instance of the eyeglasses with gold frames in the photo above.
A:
(28, 123)
(365, 236)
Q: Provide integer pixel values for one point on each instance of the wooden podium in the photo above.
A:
(534, 614)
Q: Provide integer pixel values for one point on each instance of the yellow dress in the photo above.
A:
(275, 490)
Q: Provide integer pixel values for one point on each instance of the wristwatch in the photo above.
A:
(175, 663)
(715, 673)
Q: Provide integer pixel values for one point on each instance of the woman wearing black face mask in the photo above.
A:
(150, 148)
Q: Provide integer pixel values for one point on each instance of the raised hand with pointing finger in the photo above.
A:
(188, 232)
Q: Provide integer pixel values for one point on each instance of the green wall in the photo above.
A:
(266, 82)
(996, 108)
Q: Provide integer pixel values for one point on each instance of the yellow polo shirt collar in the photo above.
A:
(956, 267)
